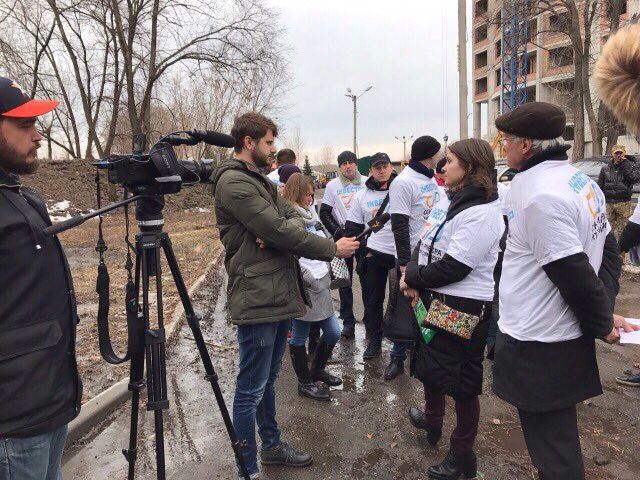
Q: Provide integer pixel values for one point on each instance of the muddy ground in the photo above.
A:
(364, 432)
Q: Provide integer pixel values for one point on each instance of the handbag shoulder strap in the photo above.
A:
(434, 240)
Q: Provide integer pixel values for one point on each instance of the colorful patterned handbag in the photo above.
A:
(451, 320)
(446, 318)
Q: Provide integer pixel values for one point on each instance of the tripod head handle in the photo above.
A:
(80, 219)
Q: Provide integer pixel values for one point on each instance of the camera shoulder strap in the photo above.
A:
(383, 206)
(102, 289)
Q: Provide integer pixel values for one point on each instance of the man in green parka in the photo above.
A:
(262, 235)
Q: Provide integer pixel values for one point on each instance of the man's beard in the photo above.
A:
(12, 162)
(259, 159)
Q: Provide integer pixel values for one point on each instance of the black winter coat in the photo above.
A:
(449, 364)
(39, 385)
(617, 180)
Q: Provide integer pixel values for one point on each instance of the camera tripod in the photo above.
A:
(147, 344)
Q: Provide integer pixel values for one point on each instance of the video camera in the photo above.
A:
(160, 172)
(151, 176)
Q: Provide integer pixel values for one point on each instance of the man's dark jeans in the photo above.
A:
(378, 266)
(346, 297)
(261, 348)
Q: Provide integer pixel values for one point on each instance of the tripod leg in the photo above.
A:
(211, 376)
(136, 382)
(155, 353)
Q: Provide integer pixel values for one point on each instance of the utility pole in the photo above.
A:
(404, 141)
(354, 98)
(463, 87)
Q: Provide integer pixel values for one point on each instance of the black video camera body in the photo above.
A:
(157, 173)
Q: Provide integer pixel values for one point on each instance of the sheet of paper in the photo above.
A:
(630, 337)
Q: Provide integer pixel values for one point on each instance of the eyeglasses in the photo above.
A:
(505, 138)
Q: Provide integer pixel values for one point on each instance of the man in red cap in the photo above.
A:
(40, 391)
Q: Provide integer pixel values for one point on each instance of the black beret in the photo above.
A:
(377, 158)
(534, 120)
(347, 156)
(424, 147)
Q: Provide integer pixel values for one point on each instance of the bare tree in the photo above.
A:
(325, 156)
(114, 63)
(295, 141)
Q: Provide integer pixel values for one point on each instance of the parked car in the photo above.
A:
(504, 173)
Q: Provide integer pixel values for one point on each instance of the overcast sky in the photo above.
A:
(406, 49)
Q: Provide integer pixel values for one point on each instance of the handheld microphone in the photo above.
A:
(213, 138)
(374, 225)
(196, 136)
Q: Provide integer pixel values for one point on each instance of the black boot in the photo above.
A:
(419, 420)
(319, 362)
(395, 368)
(454, 466)
(314, 337)
(306, 386)
(348, 331)
(373, 348)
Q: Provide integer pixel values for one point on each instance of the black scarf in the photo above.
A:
(557, 153)
(419, 167)
(467, 197)
(372, 184)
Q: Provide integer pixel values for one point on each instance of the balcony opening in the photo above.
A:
(561, 57)
(560, 22)
(481, 59)
(532, 30)
(481, 33)
(498, 77)
(532, 63)
(498, 48)
(481, 85)
(481, 7)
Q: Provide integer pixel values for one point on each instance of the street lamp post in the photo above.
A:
(354, 98)
(404, 141)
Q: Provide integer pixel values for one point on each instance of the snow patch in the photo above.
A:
(59, 211)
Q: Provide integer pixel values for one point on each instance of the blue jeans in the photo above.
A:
(329, 326)
(33, 458)
(260, 350)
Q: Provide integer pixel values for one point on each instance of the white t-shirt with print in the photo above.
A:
(274, 177)
(414, 195)
(503, 192)
(472, 237)
(635, 216)
(555, 211)
(340, 197)
(317, 268)
(365, 205)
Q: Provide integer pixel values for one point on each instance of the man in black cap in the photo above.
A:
(40, 390)
(377, 256)
(334, 211)
(553, 305)
(412, 196)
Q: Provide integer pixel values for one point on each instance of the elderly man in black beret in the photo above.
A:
(559, 282)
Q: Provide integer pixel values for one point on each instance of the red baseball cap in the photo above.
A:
(15, 103)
